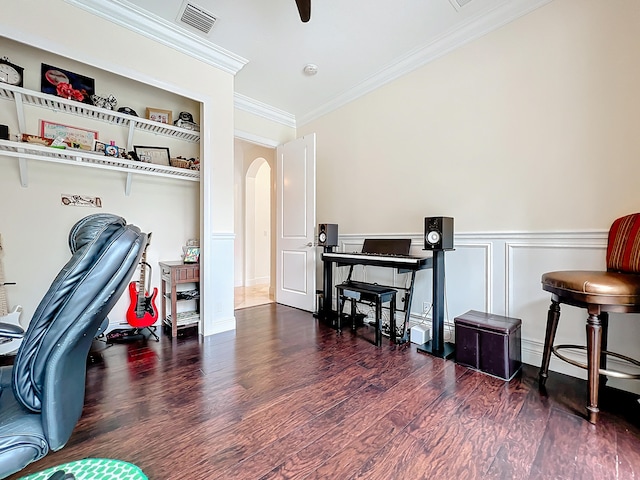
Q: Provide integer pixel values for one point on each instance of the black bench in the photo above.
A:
(368, 292)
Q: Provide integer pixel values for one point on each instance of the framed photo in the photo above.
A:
(191, 254)
(99, 147)
(80, 201)
(66, 84)
(36, 139)
(157, 155)
(157, 115)
(75, 137)
(111, 151)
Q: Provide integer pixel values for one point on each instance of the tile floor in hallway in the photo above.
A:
(251, 296)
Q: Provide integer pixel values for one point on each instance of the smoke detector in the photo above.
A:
(310, 69)
(196, 17)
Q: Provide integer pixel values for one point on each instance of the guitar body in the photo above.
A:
(143, 311)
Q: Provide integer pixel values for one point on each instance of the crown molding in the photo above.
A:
(151, 26)
(255, 139)
(247, 104)
(471, 30)
(158, 29)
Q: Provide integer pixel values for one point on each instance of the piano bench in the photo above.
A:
(368, 292)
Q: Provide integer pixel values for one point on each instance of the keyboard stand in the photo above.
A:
(401, 263)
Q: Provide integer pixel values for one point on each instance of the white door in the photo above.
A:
(296, 220)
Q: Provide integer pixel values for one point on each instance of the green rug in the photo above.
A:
(93, 469)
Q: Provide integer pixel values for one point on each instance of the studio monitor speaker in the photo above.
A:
(328, 235)
(438, 233)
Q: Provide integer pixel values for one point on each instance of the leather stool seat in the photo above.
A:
(608, 288)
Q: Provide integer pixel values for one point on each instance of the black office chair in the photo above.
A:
(42, 395)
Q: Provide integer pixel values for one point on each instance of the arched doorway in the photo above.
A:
(257, 234)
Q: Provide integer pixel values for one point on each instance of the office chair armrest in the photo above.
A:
(10, 330)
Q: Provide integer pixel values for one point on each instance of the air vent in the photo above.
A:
(196, 17)
(458, 4)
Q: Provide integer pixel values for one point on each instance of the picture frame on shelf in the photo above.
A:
(35, 139)
(99, 147)
(63, 83)
(159, 115)
(191, 254)
(75, 137)
(155, 155)
(111, 151)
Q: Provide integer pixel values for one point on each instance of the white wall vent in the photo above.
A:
(458, 4)
(196, 17)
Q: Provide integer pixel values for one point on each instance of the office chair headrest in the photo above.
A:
(89, 228)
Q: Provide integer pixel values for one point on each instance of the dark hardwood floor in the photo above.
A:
(285, 397)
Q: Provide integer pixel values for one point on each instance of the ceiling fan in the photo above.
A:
(304, 8)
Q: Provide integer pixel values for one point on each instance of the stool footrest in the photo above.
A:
(602, 371)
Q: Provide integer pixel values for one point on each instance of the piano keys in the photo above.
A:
(400, 262)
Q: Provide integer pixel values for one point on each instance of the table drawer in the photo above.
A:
(181, 273)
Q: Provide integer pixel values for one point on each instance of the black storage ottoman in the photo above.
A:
(489, 343)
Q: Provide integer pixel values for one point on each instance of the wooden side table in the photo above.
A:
(174, 273)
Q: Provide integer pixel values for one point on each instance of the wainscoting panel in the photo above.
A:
(500, 273)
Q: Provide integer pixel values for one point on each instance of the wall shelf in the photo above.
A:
(22, 96)
(27, 151)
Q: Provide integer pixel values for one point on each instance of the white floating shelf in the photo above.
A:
(29, 151)
(58, 104)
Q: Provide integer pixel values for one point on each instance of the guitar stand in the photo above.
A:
(152, 331)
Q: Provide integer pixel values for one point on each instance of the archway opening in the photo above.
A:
(257, 248)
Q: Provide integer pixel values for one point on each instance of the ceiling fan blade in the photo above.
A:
(304, 8)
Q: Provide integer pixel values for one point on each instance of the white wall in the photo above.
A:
(527, 137)
(533, 126)
(35, 225)
(163, 207)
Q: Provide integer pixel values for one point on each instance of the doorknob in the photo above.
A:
(310, 244)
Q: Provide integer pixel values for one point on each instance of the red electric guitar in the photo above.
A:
(142, 312)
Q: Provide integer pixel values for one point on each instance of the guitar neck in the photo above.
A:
(142, 282)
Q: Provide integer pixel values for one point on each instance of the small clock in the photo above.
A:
(10, 73)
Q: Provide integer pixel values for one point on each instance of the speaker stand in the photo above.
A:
(437, 346)
(325, 311)
(447, 351)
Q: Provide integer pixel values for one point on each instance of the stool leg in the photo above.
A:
(604, 322)
(594, 349)
(378, 323)
(353, 314)
(392, 318)
(340, 309)
(552, 325)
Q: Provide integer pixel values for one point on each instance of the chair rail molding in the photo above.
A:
(499, 272)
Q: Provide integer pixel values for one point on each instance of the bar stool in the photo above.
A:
(615, 290)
